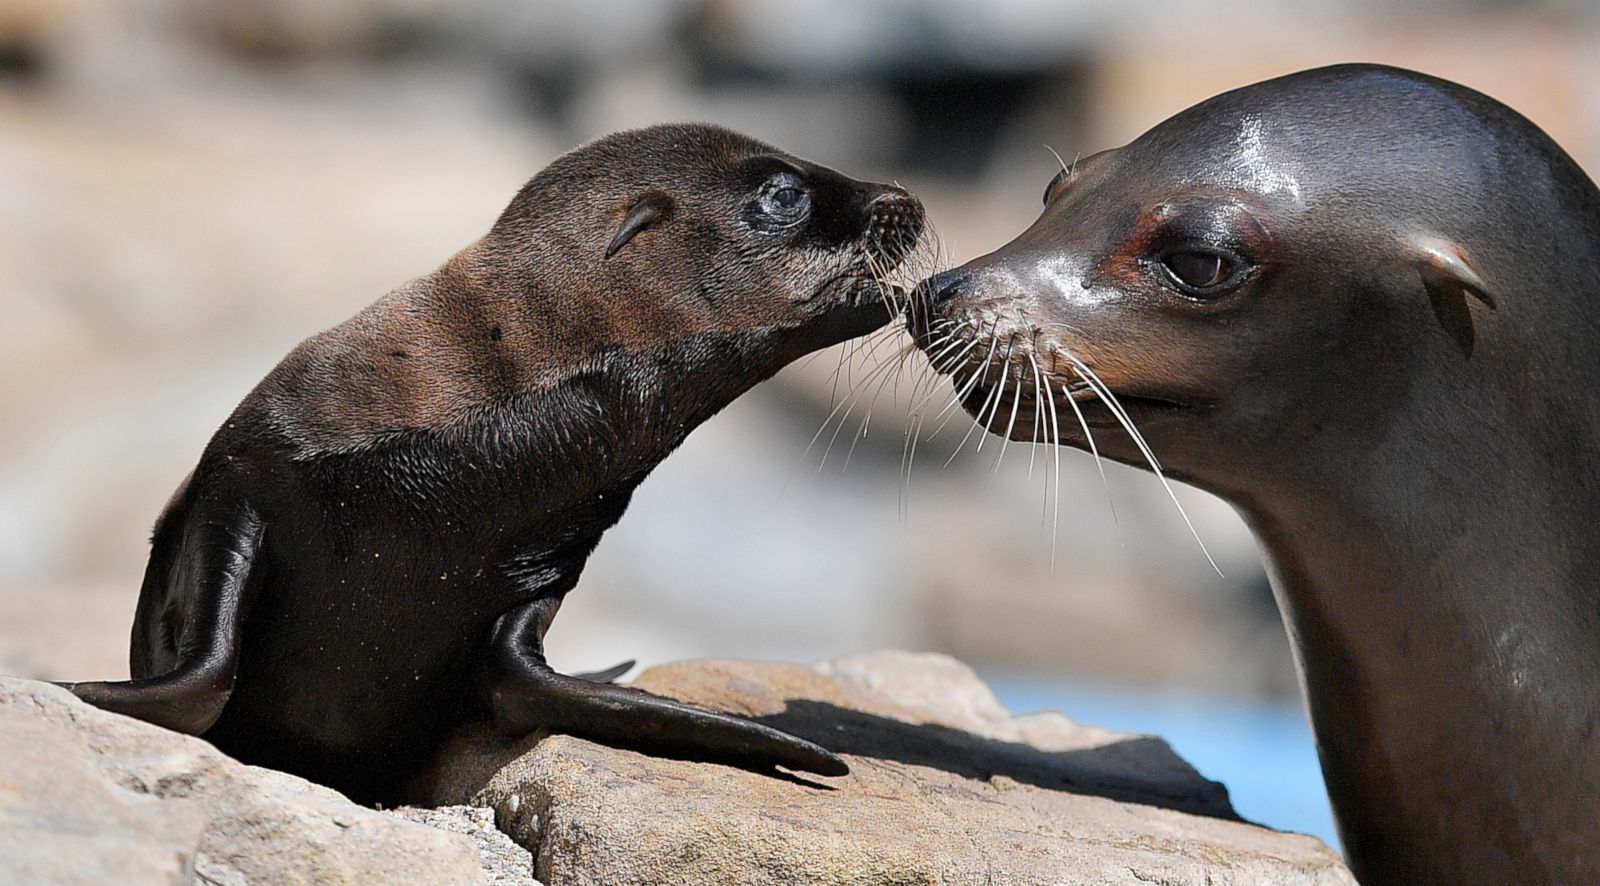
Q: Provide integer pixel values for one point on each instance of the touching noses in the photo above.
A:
(946, 287)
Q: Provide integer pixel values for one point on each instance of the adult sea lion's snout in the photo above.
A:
(1036, 353)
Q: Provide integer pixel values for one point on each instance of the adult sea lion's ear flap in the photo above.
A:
(650, 208)
(1450, 280)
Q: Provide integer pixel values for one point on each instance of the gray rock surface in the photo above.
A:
(946, 786)
(92, 797)
(504, 862)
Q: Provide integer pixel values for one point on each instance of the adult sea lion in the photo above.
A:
(1362, 305)
(375, 542)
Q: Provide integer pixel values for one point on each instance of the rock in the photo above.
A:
(504, 862)
(946, 786)
(88, 796)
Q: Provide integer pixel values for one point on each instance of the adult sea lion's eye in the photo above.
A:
(1198, 270)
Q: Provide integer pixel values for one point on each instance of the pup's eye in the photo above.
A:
(788, 198)
(784, 200)
(1198, 273)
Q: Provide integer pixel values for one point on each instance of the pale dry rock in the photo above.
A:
(92, 797)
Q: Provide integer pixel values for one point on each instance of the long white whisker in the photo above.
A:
(1005, 375)
(848, 399)
(1100, 389)
(1055, 451)
(1093, 448)
(939, 348)
(988, 362)
(1058, 159)
(976, 424)
(1005, 440)
(881, 371)
(862, 432)
(960, 390)
(1040, 390)
(1000, 397)
(1106, 395)
(945, 355)
(915, 419)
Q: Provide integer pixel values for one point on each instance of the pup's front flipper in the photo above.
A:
(194, 619)
(528, 695)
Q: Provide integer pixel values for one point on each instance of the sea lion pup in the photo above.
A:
(1360, 304)
(375, 542)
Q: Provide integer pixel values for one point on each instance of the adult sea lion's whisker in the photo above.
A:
(919, 413)
(941, 353)
(949, 412)
(1000, 397)
(1105, 395)
(982, 372)
(1064, 167)
(1055, 451)
(1108, 397)
(952, 359)
(958, 389)
(1040, 391)
(975, 425)
(946, 360)
(1094, 450)
(1005, 374)
(913, 435)
(1005, 439)
(943, 344)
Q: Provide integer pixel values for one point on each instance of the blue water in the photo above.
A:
(1263, 751)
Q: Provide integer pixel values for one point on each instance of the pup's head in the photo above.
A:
(705, 231)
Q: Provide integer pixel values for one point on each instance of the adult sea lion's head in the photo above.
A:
(1317, 264)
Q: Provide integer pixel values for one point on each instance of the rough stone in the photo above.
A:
(88, 796)
(946, 786)
(504, 862)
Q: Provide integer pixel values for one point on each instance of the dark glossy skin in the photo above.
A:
(1360, 304)
(373, 545)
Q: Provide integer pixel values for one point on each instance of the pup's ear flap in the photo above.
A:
(1450, 280)
(649, 209)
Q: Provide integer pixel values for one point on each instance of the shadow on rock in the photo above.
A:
(1140, 769)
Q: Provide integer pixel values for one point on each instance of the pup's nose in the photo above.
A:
(895, 220)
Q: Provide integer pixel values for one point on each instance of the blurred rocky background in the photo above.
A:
(189, 188)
